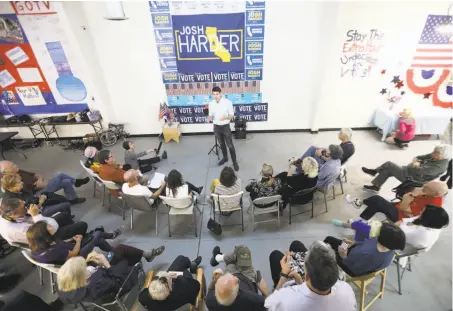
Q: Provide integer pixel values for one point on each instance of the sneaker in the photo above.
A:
(351, 200)
(194, 264)
(236, 166)
(369, 171)
(372, 187)
(164, 155)
(117, 233)
(223, 161)
(215, 252)
(150, 255)
(337, 223)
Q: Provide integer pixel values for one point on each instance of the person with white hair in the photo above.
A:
(237, 288)
(132, 186)
(174, 288)
(266, 187)
(319, 154)
(318, 290)
(423, 168)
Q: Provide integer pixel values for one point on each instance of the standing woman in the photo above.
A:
(447, 139)
(406, 131)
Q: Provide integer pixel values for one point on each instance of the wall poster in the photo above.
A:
(206, 43)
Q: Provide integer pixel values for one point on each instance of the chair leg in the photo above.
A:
(325, 200)
(333, 190)
(103, 195)
(195, 222)
(312, 208)
(345, 176)
(341, 185)
(157, 215)
(169, 229)
(278, 216)
(290, 213)
(52, 287)
(398, 275)
(409, 263)
(124, 210)
(110, 201)
(362, 295)
(94, 189)
(132, 218)
(253, 217)
(242, 218)
(383, 277)
(41, 281)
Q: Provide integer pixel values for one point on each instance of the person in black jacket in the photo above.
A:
(173, 289)
(98, 279)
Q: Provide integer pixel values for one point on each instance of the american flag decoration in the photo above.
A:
(434, 49)
(164, 111)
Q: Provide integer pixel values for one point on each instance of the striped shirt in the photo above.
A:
(222, 190)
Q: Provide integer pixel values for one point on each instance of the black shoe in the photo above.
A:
(77, 201)
(116, 233)
(81, 182)
(223, 161)
(369, 171)
(372, 187)
(200, 190)
(99, 228)
(164, 155)
(194, 264)
(215, 252)
(8, 281)
(236, 166)
(444, 177)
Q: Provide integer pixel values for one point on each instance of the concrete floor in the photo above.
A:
(427, 287)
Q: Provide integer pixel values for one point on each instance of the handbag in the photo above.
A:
(214, 226)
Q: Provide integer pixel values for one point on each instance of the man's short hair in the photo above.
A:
(104, 155)
(392, 237)
(443, 150)
(216, 89)
(336, 152)
(9, 205)
(131, 176)
(346, 131)
(126, 145)
(321, 266)
(226, 291)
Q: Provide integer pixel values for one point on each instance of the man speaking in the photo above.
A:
(220, 113)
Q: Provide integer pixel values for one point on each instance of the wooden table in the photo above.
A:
(171, 132)
(6, 137)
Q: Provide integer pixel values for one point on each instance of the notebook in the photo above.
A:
(156, 181)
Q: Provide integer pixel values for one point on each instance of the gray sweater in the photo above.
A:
(429, 169)
(131, 158)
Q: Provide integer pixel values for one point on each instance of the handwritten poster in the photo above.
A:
(30, 95)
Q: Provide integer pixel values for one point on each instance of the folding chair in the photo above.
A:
(402, 259)
(140, 203)
(302, 194)
(53, 269)
(96, 182)
(181, 206)
(326, 188)
(275, 200)
(228, 204)
(363, 281)
(110, 185)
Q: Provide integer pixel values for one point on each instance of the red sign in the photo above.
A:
(32, 7)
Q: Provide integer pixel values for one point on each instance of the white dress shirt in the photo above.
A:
(218, 109)
(17, 231)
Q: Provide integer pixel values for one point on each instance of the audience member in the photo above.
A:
(132, 186)
(411, 205)
(131, 157)
(346, 145)
(447, 139)
(91, 159)
(406, 130)
(295, 257)
(364, 257)
(293, 183)
(319, 290)
(16, 220)
(330, 170)
(33, 182)
(46, 249)
(423, 168)
(238, 288)
(97, 279)
(174, 288)
(227, 184)
(108, 169)
(13, 190)
(266, 187)
(178, 188)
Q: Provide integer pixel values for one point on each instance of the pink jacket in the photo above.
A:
(406, 130)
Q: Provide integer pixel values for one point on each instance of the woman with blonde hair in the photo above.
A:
(406, 130)
(266, 187)
(293, 183)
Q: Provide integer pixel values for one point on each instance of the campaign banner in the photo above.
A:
(166, 50)
(168, 64)
(159, 6)
(203, 100)
(255, 17)
(170, 77)
(196, 114)
(255, 4)
(254, 74)
(254, 47)
(254, 61)
(253, 32)
(164, 36)
(161, 20)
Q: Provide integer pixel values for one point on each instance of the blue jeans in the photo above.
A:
(64, 208)
(311, 152)
(62, 181)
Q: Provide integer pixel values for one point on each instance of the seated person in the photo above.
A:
(423, 168)
(447, 138)
(227, 184)
(346, 145)
(97, 279)
(421, 231)
(12, 185)
(411, 205)
(318, 290)
(293, 183)
(178, 188)
(109, 170)
(297, 252)
(46, 249)
(91, 159)
(330, 170)
(406, 130)
(174, 288)
(238, 288)
(132, 186)
(371, 255)
(33, 182)
(266, 187)
(16, 220)
(131, 157)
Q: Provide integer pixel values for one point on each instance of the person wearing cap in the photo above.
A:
(318, 290)
(330, 169)
(237, 287)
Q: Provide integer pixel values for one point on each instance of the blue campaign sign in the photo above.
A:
(161, 20)
(209, 42)
(254, 74)
(170, 77)
(254, 47)
(255, 17)
(166, 50)
(164, 35)
(254, 61)
(253, 32)
(255, 4)
(167, 64)
(159, 6)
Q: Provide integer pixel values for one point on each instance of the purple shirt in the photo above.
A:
(56, 253)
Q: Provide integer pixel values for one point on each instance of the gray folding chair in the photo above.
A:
(140, 203)
(96, 182)
(275, 200)
(181, 206)
(110, 185)
(403, 259)
(228, 204)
